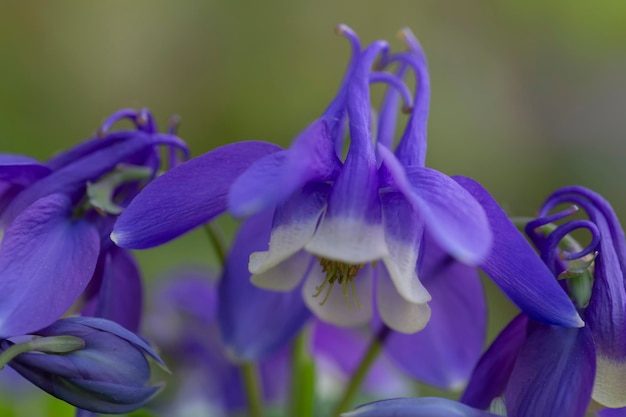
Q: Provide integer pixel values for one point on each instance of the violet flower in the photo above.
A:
(55, 218)
(546, 370)
(109, 374)
(358, 223)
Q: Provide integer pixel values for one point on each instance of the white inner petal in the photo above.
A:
(285, 240)
(348, 240)
(286, 275)
(336, 310)
(397, 312)
(401, 263)
(608, 388)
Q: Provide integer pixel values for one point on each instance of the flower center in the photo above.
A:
(341, 273)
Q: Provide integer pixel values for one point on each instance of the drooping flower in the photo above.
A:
(546, 370)
(357, 222)
(55, 221)
(109, 374)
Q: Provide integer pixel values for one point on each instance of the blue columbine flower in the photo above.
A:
(546, 370)
(109, 374)
(359, 221)
(55, 218)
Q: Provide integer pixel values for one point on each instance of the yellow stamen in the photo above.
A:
(343, 274)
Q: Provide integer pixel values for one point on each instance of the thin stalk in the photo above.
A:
(12, 352)
(217, 241)
(248, 370)
(370, 356)
(252, 388)
(302, 398)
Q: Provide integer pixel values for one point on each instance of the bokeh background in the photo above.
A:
(526, 96)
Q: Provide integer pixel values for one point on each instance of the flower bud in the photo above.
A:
(109, 374)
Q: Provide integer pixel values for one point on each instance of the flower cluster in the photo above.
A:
(354, 264)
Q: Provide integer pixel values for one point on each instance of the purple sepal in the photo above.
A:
(46, 261)
(446, 351)
(185, 197)
(272, 179)
(450, 214)
(21, 170)
(255, 322)
(554, 373)
(71, 178)
(416, 407)
(493, 371)
(519, 272)
(119, 297)
(109, 375)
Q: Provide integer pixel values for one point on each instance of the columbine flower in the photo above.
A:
(356, 223)
(362, 220)
(109, 374)
(546, 370)
(55, 218)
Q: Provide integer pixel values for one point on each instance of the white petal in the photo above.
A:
(286, 275)
(396, 312)
(348, 240)
(608, 388)
(335, 310)
(286, 239)
(401, 263)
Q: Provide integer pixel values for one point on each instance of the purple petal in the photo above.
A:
(451, 215)
(21, 170)
(272, 179)
(351, 229)
(185, 197)
(445, 352)
(388, 114)
(416, 407)
(46, 261)
(255, 322)
(411, 150)
(492, 373)
(554, 373)
(120, 296)
(606, 313)
(72, 178)
(519, 272)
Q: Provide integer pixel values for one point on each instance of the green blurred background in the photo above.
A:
(527, 96)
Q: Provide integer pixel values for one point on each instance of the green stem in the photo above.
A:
(13, 351)
(359, 376)
(54, 345)
(249, 371)
(252, 389)
(215, 237)
(302, 398)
